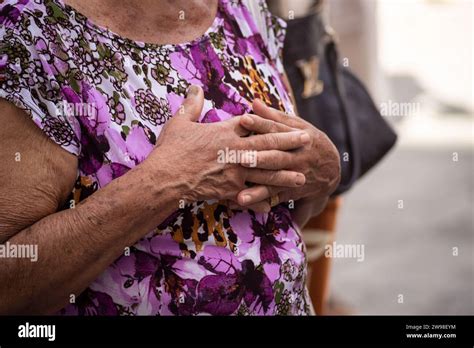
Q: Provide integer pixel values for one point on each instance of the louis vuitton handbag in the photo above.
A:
(330, 97)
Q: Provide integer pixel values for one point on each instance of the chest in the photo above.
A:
(133, 88)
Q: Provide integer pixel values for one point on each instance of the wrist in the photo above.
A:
(167, 178)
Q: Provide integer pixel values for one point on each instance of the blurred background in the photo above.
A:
(418, 52)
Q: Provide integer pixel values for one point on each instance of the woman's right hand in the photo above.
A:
(190, 151)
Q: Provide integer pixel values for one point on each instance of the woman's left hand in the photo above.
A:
(318, 160)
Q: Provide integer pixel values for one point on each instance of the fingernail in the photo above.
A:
(305, 138)
(246, 199)
(300, 179)
(192, 90)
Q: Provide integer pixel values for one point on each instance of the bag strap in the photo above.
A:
(332, 57)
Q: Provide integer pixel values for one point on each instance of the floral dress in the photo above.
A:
(205, 258)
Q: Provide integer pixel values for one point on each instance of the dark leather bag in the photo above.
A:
(330, 97)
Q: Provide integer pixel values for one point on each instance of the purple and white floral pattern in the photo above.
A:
(205, 258)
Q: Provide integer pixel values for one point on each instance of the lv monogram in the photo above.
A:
(310, 70)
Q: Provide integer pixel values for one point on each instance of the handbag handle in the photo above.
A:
(332, 58)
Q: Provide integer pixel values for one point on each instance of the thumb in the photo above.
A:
(192, 105)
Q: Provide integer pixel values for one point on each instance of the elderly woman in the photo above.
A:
(118, 180)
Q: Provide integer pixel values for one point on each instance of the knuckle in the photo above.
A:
(288, 140)
(274, 160)
(296, 139)
(288, 159)
(249, 143)
(272, 126)
(260, 160)
(257, 121)
(273, 141)
(234, 122)
(284, 177)
(273, 177)
(259, 142)
(264, 126)
(257, 126)
(238, 143)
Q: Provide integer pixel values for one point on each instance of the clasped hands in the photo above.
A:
(292, 159)
(316, 161)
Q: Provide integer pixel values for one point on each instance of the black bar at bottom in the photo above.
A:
(289, 331)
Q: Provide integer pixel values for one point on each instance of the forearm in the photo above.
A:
(76, 245)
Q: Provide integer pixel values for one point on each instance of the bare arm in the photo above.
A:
(76, 245)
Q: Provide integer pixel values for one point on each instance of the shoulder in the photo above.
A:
(270, 27)
(33, 63)
(267, 24)
(14, 13)
(28, 19)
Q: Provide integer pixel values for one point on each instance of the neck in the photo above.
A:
(170, 21)
(160, 12)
